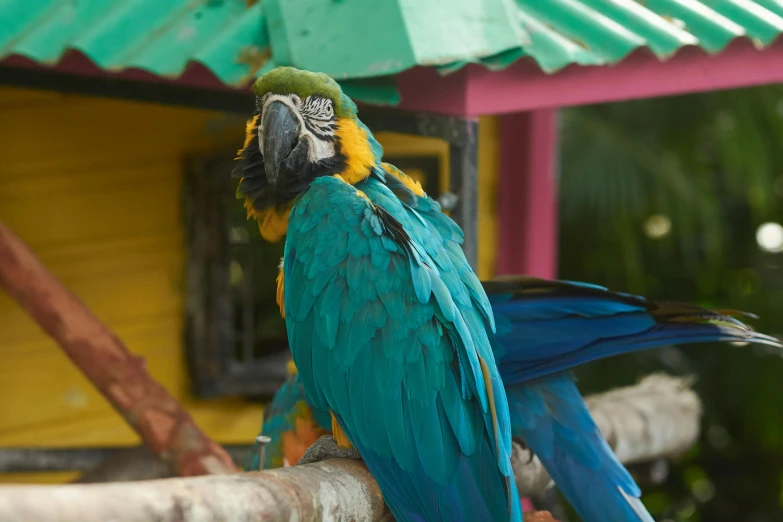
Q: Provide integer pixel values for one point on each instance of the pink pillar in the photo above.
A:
(527, 194)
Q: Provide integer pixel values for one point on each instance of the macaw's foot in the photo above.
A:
(326, 448)
(524, 447)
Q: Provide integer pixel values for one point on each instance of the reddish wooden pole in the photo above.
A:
(527, 192)
(122, 377)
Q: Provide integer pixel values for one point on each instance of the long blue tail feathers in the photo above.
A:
(544, 328)
(554, 422)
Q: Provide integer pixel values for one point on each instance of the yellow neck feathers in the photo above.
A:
(251, 132)
(355, 146)
(272, 224)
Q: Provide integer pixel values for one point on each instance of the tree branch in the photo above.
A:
(339, 489)
(659, 416)
(122, 377)
(336, 490)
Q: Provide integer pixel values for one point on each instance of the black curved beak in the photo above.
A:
(281, 130)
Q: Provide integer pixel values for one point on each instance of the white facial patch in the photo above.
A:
(315, 117)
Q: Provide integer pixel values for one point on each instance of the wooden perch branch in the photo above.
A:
(340, 489)
(122, 377)
(659, 416)
(334, 490)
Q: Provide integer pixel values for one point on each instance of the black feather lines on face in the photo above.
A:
(319, 118)
(296, 172)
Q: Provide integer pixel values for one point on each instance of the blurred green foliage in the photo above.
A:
(663, 197)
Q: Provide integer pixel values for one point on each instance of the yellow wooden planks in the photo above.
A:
(95, 187)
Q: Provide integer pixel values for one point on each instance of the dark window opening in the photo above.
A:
(235, 337)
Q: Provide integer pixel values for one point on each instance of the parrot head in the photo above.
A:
(303, 127)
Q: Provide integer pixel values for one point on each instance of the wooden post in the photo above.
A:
(121, 376)
(527, 194)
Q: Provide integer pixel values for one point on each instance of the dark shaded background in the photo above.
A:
(712, 166)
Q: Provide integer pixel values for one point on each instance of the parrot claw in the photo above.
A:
(326, 448)
(523, 445)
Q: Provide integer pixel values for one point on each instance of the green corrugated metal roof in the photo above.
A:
(357, 39)
(352, 39)
(162, 37)
(593, 32)
(360, 39)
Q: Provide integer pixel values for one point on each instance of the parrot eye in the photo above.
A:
(318, 108)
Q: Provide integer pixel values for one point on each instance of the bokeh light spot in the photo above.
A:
(657, 226)
(769, 237)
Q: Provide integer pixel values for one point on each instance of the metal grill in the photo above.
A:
(235, 337)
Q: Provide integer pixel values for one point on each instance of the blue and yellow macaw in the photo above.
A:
(394, 337)
(545, 328)
(386, 321)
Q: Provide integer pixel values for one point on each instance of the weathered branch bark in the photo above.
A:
(122, 377)
(333, 490)
(659, 417)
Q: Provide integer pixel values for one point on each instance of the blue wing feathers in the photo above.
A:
(388, 327)
(548, 327)
(378, 330)
(543, 307)
(551, 326)
(545, 413)
(552, 418)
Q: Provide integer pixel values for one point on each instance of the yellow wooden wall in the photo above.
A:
(94, 186)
